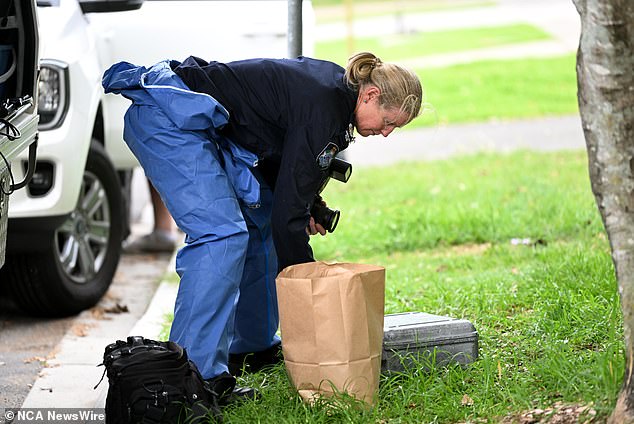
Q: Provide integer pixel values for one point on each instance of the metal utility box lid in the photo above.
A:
(414, 337)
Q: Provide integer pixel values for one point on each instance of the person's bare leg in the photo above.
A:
(163, 236)
(162, 219)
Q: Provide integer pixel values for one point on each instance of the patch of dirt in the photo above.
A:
(463, 249)
(470, 248)
(559, 413)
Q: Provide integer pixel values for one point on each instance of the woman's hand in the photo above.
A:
(314, 228)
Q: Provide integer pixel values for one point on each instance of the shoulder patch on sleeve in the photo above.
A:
(327, 155)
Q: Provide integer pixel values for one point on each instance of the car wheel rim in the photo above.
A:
(82, 241)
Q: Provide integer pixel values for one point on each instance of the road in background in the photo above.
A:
(25, 343)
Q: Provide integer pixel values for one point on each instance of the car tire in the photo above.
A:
(74, 272)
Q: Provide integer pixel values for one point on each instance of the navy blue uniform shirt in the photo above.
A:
(295, 114)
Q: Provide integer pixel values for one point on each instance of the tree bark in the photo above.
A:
(605, 76)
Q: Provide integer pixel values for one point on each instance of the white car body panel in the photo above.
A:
(213, 30)
(64, 37)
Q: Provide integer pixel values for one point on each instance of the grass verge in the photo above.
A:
(546, 308)
(399, 47)
(496, 89)
(327, 11)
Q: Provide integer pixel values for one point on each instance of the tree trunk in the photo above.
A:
(605, 76)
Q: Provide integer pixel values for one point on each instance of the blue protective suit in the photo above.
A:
(226, 299)
(198, 129)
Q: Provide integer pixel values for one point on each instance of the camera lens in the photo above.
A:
(325, 216)
(332, 220)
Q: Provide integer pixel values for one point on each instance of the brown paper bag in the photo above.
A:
(331, 319)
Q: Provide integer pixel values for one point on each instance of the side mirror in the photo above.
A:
(100, 6)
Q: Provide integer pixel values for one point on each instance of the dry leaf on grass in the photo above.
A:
(466, 400)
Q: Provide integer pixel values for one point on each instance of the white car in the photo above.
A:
(66, 229)
(18, 106)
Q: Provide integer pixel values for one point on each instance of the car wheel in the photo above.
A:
(74, 272)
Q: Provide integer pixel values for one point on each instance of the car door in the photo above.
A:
(18, 108)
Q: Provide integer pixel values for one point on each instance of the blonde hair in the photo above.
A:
(400, 88)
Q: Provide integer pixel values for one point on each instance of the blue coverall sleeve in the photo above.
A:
(297, 183)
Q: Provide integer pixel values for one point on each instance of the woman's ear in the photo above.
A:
(371, 92)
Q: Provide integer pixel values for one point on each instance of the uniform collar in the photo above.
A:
(351, 98)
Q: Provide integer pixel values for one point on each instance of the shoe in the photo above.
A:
(253, 362)
(157, 241)
(224, 387)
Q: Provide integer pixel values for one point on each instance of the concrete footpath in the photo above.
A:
(70, 376)
(442, 142)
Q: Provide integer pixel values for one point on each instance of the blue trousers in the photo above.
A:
(226, 300)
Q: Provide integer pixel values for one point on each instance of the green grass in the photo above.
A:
(547, 312)
(399, 47)
(497, 89)
(327, 11)
(465, 200)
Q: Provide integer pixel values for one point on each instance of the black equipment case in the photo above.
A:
(426, 340)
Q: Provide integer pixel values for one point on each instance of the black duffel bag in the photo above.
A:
(154, 382)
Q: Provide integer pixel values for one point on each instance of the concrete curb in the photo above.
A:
(70, 377)
(151, 324)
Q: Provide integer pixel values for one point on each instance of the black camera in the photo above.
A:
(328, 218)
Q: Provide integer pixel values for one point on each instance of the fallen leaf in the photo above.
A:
(35, 359)
(80, 329)
(466, 401)
(97, 312)
(117, 309)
